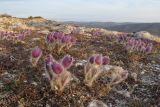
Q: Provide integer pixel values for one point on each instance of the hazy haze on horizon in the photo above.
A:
(85, 10)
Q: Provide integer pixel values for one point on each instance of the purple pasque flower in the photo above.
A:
(99, 59)
(66, 39)
(149, 48)
(57, 68)
(49, 60)
(142, 49)
(36, 52)
(131, 41)
(59, 35)
(122, 37)
(96, 33)
(20, 37)
(50, 38)
(106, 60)
(53, 68)
(91, 60)
(60, 40)
(67, 61)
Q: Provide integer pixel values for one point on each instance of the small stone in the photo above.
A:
(96, 103)
(47, 105)
(134, 76)
(36, 39)
(34, 83)
(80, 63)
(44, 74)
(142, 72)
(127, 94)
(153, 62)
(25, 81)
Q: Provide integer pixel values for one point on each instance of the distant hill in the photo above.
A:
(96, 24)
(153, 28)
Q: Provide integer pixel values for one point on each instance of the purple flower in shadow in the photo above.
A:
(67, 61)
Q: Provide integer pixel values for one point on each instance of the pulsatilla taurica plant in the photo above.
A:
(57, 72)
(117, 75)
(138, 46)
(94, 68)
(58, 40)
(98, 65)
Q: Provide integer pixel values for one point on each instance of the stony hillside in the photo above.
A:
(46, 63)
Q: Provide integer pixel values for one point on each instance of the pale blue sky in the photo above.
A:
(85, 10)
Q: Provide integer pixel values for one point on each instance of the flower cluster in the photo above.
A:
(14, 36)
(138, 46)
(96, 33)
(7, 35)
(59, 76)
(59, 40)
(122, 37)
(36, 53)
(131, 44)
(93, 68)
(57, 72)
(118, 38)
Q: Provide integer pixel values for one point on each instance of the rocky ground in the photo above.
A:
(22, 85)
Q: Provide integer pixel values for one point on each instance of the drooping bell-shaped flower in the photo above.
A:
(48, 62)
(91, 60)
(106, 60)
(35, 55)
(99, 59)
(67, 61)
(49, 59)
(66, 39)
(149, 48)
(36, 52)
(57, 68)
(50, 38)
(20, 37)
(59, 35)
(142, 49)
